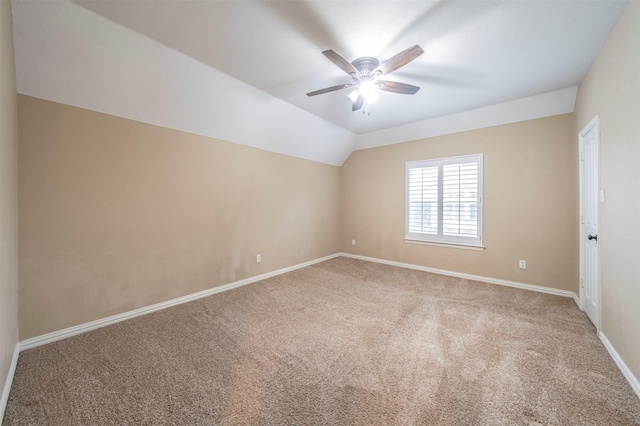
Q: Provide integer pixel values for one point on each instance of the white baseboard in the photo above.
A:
(576, 299)
(531, 287)
(83, 328)
(9, 381)
(633, 381)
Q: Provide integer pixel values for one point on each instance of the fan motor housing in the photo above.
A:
(366, 64)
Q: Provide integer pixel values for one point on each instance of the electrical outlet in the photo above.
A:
(353, 242)
(259, 258)
(522, 264)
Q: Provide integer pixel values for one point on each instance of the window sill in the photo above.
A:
(448, 245)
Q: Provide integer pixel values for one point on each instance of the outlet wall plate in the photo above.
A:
(522, 264)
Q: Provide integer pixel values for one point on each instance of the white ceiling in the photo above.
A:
(213, 67)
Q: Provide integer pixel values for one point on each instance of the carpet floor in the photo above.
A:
(343, 342)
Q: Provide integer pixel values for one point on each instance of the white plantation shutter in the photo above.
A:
(423, 200)
(460, 199)
(444, 200)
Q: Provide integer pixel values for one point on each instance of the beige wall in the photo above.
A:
(8, 197)
(117, 214)
(611, 89)
(530, 202)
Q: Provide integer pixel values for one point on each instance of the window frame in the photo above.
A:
(440, 238)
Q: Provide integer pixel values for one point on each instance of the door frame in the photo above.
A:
(594, 122)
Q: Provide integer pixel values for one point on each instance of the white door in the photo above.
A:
(589, 196)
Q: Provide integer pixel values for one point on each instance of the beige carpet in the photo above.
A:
(338, 343)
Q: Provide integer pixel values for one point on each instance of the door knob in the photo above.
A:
(592, 237)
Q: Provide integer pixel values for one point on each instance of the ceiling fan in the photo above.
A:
(365, 73)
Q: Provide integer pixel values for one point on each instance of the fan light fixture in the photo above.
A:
(354, 95)
(367, 89)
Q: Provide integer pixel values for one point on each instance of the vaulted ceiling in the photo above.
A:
(239, 70)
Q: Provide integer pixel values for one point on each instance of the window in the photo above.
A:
(444, 200)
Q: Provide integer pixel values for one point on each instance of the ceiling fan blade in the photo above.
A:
(342, 63)
(358, 103)
(399, 60)
(329, 89)
(395, 87)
